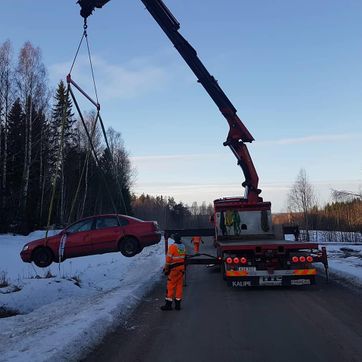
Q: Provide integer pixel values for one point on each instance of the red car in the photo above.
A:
(93, 235)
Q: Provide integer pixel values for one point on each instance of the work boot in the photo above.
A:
(167, 306)
(177, 304)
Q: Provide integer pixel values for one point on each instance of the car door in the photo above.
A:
(78, 239)
(106, 234)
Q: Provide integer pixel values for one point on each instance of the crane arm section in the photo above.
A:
(238, 133)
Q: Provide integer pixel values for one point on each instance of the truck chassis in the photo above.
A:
(260, 262)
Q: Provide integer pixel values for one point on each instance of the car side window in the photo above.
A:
(106, 222)
(84, 225)
(123, 221)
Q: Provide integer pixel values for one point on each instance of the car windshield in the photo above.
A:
(84, 225)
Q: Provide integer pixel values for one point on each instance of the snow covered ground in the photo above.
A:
(64, 311)
(345, 261)
(344, 251)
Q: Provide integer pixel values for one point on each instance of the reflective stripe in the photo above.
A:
(236, 273)
(305, 272)
(175, 254)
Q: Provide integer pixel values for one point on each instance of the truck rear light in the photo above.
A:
(309, 259)
(302, 259)
(236, 260)
(295, 259)
(243, 260)
(229, 260)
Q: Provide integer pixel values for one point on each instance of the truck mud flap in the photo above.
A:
(270, 281)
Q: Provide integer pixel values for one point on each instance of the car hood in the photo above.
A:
(42, 240)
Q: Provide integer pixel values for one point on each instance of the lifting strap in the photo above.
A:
(70, 81)
(90, 135)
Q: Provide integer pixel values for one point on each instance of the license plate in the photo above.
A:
(270, 280)
(247, 268)
(300, 282)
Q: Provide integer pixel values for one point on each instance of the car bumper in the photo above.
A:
(26, 256)
(278, 278)
(150, 239)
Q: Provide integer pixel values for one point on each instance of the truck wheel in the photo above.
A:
(222, 268)
(129, 247)
(42, 257)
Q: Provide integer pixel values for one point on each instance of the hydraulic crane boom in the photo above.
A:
(238, 133)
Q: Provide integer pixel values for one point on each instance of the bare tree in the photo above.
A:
(5, 104)
(32, 91)
(343, 195)
(347, 209)
(301, 199)
(194, 209)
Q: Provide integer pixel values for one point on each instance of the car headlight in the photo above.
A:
(26, 247)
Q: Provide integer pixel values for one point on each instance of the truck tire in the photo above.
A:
(222, 268)
(42, 257)
(129, 247)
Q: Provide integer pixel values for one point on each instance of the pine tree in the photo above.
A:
(63, 108)
(62, 122)
(15, 163)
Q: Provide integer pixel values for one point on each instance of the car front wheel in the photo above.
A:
(42, 257)
(129, 247)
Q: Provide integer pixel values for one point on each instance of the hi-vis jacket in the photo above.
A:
(196, 239)
(176, 255)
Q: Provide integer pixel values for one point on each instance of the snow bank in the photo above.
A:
(64, 311)
(321, 236)
(345, 261)
(344, 250)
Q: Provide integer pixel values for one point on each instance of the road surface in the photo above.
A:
(218, 323)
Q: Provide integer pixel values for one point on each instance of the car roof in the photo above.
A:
(109, 215)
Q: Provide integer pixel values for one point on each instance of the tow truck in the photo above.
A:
(249, 249)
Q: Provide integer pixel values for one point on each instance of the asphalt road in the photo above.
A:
(218, 323)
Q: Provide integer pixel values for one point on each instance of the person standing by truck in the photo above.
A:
(196, 240)
(175, 270)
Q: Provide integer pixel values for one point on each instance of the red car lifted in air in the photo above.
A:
(93, 235)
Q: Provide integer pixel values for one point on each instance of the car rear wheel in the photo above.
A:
(42, 257)
(129, 247)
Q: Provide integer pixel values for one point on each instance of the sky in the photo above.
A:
(292, 69)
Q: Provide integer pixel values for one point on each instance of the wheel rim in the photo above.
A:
(42, 258)
(129, 247)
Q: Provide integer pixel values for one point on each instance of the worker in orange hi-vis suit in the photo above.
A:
(175, 270)
(196, 240)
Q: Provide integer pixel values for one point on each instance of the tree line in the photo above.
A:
(170, 214)
(48, 172)
(342, 215)
(45, 154)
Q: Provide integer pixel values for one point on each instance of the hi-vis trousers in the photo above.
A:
(196, 247)
(175, 283)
